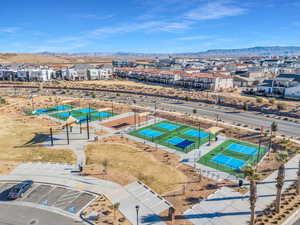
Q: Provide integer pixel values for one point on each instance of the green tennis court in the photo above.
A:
(174, 135)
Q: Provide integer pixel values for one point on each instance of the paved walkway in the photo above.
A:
(228, 207)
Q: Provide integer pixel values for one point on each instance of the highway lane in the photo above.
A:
(252, 120)
(18, 215)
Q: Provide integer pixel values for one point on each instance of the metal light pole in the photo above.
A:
(87, 127)
(51, 136)
(155, 112)
(80, 128)
(137, 208)
(67, 128)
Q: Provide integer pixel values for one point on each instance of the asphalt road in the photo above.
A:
(227, 115)
(252, 120)
(23, 215)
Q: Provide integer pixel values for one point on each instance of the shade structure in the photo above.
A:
(71, 121)
(214, 130)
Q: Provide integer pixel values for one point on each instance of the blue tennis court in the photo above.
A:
(82, 118)
(242, 149)
(40, 111)
(184, 144)
(86, 110)
(168, 126)
(102, 114)
(64, 114)
(150, 133)
(228, 161)
(175, 140)
(196, 133)
(62, 107)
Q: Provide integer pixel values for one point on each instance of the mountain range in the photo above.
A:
(255, 51)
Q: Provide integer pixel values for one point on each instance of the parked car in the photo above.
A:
(18, 190)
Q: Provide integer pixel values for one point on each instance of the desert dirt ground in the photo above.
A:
(128, 161)
(123, 83)
(20, 138)
(127, 164)
(109, 212)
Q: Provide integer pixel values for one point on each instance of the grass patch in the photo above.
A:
(222, 149)
(167, 135)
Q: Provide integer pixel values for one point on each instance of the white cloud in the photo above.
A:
(215, 10)
(150, 26)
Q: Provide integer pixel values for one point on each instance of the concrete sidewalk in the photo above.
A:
(228, 207)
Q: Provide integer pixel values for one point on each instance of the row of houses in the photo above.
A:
(284, 85)
(202, 81)
(76, 72)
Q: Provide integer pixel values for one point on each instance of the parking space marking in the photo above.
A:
(53, 195)
(80, 202)
(67, 199)
(38, 193)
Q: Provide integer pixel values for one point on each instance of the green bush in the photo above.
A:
(281, 106)
(271, 101)
(2, 100)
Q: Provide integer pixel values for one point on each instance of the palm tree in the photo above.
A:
(282, 158)
(298, 180)
(252, 175)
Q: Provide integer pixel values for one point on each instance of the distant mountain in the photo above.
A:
(255, 51)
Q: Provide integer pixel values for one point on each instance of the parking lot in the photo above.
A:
(63, 198)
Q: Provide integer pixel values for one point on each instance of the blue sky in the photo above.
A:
(162, 26)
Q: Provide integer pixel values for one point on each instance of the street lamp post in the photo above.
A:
(51, 136)
(137, 208)
(87, 127)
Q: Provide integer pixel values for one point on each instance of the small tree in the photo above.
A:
(2, 100)
(194, 111)
(272, 101)
(281, 106)
(104, 163)
(282, 158)
(274, 127)
(251, 174)
(245, 106)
